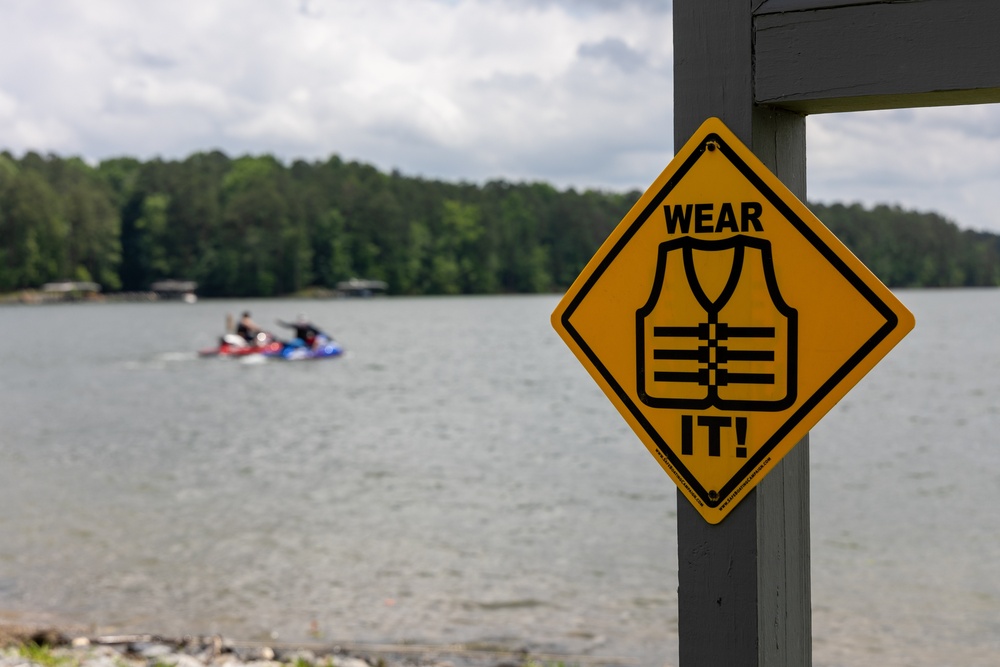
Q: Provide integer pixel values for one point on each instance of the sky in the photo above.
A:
(576, 93)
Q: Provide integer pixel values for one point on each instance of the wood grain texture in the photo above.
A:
(776, 6)
(821, 56)
(744, 591)
(743, 584)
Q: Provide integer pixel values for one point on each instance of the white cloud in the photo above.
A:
(944, 159)
(469, 89)
(574, 92)
(8, 107)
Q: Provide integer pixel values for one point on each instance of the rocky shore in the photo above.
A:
(28, 647)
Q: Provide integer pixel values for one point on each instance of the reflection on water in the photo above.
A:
(458, 477)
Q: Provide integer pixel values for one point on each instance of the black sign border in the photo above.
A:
(714, 498)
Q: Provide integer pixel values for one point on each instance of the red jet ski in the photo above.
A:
(231, 345)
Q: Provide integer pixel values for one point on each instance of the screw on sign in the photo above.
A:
(724, 320)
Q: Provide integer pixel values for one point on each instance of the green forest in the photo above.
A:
(254, 226)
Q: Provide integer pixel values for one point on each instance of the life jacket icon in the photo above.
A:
(734, 352)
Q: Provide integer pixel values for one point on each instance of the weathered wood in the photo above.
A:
(775, 6)
(815, 56)
(743, 584)
(744, 593)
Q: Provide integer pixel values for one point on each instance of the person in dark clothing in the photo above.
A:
(305, 330)
(247, 329)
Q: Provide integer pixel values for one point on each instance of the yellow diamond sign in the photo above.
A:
(724, 320)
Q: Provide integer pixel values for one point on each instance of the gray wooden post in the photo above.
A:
(744, 589)
(743, 595)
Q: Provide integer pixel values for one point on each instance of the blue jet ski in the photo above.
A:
(322, 348)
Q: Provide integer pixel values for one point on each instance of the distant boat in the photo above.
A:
(176, 290)
(69, 290)
(361, 287)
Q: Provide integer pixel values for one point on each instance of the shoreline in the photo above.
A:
(43, 645)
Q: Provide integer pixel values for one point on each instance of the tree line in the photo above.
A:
(253, 226)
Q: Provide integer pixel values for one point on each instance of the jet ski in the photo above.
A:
(297, 350)
(231, 345)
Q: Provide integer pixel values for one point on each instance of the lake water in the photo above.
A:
(457, 477)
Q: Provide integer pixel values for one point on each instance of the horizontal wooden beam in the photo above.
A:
(777, 6)
(818, 56)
